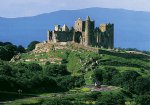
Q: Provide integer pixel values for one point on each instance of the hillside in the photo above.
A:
(131, 27)
(124, 76)
(80, 59)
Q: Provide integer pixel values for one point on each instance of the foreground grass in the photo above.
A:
(77, 94)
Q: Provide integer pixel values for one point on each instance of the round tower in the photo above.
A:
(87, 31)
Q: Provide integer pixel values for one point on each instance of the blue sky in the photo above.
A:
(21, 8)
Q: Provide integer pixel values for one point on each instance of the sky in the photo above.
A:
(24, 8)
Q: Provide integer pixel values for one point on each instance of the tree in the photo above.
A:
(11, 51)
(21, 49)
(142, 100)
(128, 78)
(142, 85)
(31, 46)
(111, 99)
(1, 43)
(56, 70)
(98, 75)
(3, 53)
(107, 75)
(93, 96)
(34, 67)
(7, 52)
(64, 61)
(7, 43)
(5, 70)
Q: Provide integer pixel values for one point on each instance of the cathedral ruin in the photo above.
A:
(84, 33)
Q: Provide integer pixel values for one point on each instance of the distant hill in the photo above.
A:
(132, 28)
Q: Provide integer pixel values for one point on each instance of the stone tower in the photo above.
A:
(87, 31)
(65, 28)
(78, 25)
(49, 36)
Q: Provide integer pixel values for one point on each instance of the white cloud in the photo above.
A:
(17, 8)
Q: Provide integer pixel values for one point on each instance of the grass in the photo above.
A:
(74, 63)
(76, 58)
(77, 94)
(85, 89)
(27, 101)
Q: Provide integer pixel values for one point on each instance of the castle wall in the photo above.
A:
(49, 36)
(78, 25)
(85, 33)
(62, 36)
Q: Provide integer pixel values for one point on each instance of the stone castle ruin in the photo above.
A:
(84, 33)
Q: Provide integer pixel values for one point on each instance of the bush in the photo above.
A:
(33, 78)
(57, 102)
(56, 70)
(86, 89)
(69, 82)
(111, 99)
(106, 76)
(93, 96)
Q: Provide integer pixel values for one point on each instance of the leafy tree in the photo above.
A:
(8, 50)
(64, 61)
(7, 43)
(111, 99)
(7, 84)
(69, 82)
(5, 70)
(11, 50)
(107, 75)
(21, 49)
(56, 70)
(128, 78)
(142, 100)
(93, 96)
(98, 76)
(34, 67)
(1, 43)
(31, 46)
(3, 53)
(44, 84)
(142, 85)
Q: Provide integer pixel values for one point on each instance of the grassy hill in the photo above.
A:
(84, 61)
(81, 60)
